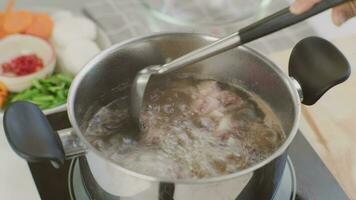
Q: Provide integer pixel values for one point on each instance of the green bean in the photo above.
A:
(46, 93)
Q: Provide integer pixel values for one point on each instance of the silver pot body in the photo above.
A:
(108, 76)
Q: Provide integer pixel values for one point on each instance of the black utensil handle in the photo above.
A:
(317, 65)
(282, 19)
(30, 135)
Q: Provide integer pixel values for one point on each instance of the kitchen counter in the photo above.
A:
(329, 125)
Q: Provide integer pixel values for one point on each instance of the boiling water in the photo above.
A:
(193, 129)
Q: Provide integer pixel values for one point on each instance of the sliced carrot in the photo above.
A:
(2, 31)
(2, 18)
(41, 26)
(17, 22)
(3, 89)
(9, 7)
(3, 94)
(2, 101)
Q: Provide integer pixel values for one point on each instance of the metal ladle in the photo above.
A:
(263, 27)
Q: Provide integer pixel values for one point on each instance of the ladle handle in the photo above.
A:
(282, 19)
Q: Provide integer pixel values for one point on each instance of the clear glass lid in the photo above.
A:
(205, 12)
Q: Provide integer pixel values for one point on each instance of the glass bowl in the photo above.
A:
(205, 12)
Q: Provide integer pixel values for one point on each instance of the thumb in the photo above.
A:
(344, 12)
(301, 6)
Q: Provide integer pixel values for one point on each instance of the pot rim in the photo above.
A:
(89, 66)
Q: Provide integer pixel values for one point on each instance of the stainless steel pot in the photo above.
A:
(108, 76)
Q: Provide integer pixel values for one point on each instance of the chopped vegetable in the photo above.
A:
(41, 26)
(3, 33)
(46, 93)
(3, 94)
(24, 22)
(60, 15)
(23, 65)
(72, 29)
(17, 22)
(8, 10)
(76, 55)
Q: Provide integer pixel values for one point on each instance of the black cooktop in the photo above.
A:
(314, 181)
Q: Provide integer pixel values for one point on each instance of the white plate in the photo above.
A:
(102, 41)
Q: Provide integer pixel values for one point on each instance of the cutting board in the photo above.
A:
(330, 124)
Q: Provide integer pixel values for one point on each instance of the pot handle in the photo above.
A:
(317, 65)
(31, 136)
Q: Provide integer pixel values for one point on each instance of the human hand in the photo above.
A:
(340, 14)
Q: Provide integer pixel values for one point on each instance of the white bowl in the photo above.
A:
(16, 45)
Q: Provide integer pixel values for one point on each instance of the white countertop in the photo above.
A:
(16, 181)
(15, 177)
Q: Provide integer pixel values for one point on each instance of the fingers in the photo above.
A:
(300, 6)
(344, 12)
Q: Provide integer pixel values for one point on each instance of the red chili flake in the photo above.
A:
(23, 65)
